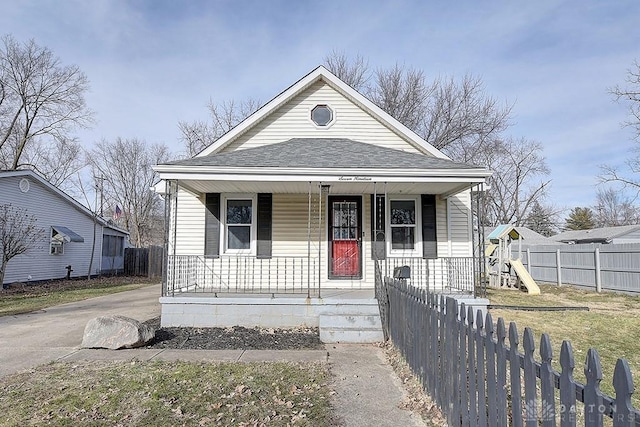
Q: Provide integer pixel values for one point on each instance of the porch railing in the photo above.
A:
(299, 275)
(282, 275)
(442, 275)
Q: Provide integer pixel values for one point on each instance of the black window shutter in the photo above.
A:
(265, 209)
(378, 244)
(212, 225)
(429, 239)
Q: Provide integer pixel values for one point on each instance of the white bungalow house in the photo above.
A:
(71, 237)
(307, 202)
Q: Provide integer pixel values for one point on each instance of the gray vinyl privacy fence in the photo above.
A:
(614, 267)
(477, 379)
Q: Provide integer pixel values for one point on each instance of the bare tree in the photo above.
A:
(40, 100)
(354, 72)
(403, 93)
(455, 116)
(198, 135)
(517, 182)
(614, 209)
(126, 166)
(57, 161)
(629, 94)
(459, 116)
(19, 233)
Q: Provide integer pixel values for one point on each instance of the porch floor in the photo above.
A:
(327, 293)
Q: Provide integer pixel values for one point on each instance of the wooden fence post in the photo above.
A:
(568, 409)
(473, 374)
(501, 376)
(490, 355)
(529, 367)
(593, 402)
(548, 405)
(514, 373)
(624, 414)
(463, 384)
(480, 358)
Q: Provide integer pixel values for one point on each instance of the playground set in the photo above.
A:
(504, 270)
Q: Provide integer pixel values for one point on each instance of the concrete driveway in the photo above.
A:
(366, 391)
(28, 340)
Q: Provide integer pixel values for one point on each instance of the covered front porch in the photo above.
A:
(276, 235)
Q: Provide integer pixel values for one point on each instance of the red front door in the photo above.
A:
(345, 231)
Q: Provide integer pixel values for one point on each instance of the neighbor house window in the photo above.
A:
(112, 246)
(404, 227)
(56, 248)
(322, 115)
(56, 245)
(239, 225)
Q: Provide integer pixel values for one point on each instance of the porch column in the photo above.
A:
(170, 212)
(309, 243)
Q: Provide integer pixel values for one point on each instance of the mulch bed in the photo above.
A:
(236, 337)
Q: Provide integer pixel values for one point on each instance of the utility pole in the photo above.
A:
(100, 187)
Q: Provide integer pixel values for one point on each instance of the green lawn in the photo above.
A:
(39, 296)
(168, 394)
(611, 326)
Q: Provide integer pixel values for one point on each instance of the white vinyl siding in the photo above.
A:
(50, 209)
(460, 224)
(442, 232)
(189, 236)
(293, 121)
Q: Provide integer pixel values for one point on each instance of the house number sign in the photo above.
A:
(354, 178)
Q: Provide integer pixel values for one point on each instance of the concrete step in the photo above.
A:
(350, 328)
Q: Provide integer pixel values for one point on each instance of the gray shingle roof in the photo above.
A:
(324, 153)
(596, 234)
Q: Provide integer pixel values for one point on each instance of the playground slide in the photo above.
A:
(525, 277)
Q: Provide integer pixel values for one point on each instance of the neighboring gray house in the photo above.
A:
(69, 230)
(617, 235)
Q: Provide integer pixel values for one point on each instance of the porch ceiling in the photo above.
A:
(369, 187)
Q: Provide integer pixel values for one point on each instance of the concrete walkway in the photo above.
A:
(367, 392)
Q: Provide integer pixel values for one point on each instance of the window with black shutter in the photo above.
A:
(265, 209)
(212, 225)
(429, 235)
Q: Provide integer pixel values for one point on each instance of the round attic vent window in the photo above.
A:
(321, 115)
(24, 185)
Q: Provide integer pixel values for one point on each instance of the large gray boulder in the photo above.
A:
(115, 332)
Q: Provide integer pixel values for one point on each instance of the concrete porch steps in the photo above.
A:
(360, 324)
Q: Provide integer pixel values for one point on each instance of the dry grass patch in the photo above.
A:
(25, 298)
(416, 400)
(611, 325)
(168, 394)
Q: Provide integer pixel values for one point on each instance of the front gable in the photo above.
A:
(293, 120)
(288, 115)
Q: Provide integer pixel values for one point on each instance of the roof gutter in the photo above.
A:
(219, 173)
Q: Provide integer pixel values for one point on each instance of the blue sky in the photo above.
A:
(154, 63)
